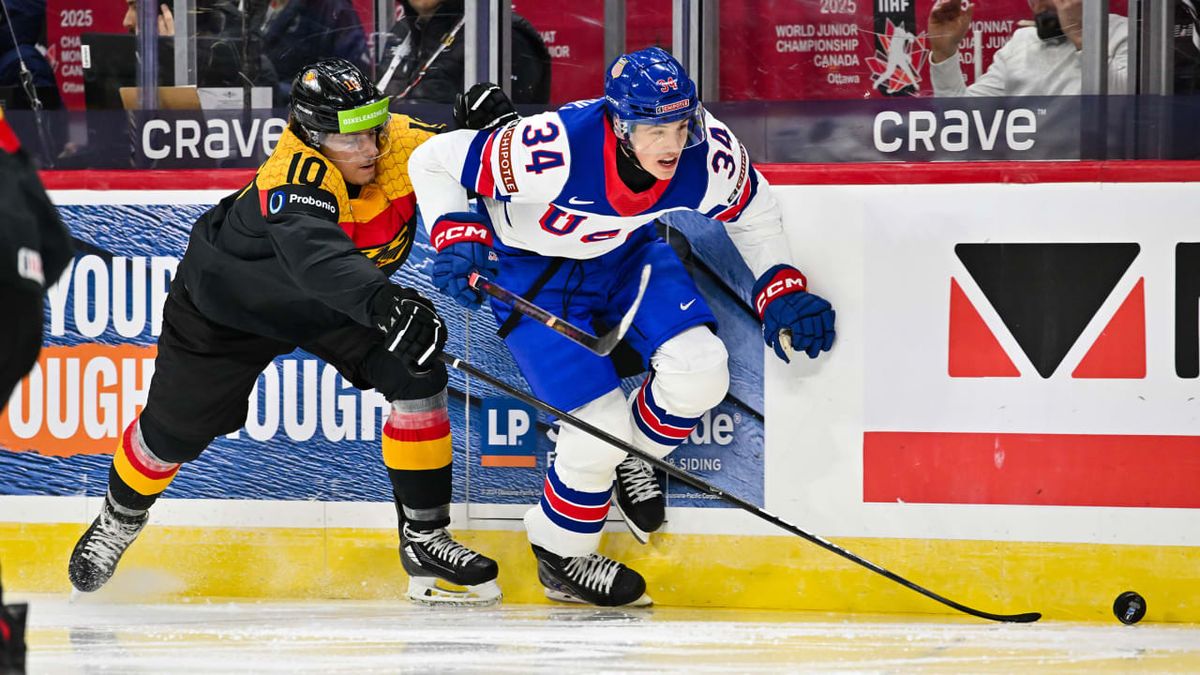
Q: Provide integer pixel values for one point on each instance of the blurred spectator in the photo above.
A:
(1040, 60)
(425, 55)
(296, 33)
(227, 53)
(29, 25)
(166, 20)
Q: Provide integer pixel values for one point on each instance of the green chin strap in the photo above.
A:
(363, 117)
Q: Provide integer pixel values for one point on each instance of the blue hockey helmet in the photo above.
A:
(649, 87)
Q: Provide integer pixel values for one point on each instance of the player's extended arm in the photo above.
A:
(434, 169)
(745, 204)
(318, 256)
(781, 298)
(322, 260)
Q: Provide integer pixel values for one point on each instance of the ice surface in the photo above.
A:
(222, 636)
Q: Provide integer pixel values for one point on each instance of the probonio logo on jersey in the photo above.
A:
(278, 199)
(301, 199)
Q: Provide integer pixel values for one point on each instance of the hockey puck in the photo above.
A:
(1129, 607)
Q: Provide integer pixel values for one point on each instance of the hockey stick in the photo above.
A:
(707, 488)
(602, 345)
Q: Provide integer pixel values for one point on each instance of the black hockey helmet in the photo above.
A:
(332, 96)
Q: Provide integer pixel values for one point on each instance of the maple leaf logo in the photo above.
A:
(897, 64)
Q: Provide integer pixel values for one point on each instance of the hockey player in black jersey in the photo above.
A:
(34, 250)
(301, 257)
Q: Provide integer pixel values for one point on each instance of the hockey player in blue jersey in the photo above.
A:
(568, 204)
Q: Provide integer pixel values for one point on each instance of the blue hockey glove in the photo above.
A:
(783, 304)
(464, 245)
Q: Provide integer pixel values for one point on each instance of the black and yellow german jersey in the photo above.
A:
(294, 254)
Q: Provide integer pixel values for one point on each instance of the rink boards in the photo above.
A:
(1007, 417)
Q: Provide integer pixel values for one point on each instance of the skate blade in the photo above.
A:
(642, 536)
(559, 596)
(434, 592)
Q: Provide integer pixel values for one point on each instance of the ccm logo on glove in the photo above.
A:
(448, 232)
(786, 280)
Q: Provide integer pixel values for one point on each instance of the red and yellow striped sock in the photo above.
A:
(416, 436)
(137, 476)
(419, 457)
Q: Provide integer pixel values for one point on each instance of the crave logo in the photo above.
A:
(1046, 295)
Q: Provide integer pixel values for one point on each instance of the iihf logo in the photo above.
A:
(666, 85)
(898, 60)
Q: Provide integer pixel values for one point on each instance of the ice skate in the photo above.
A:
(443, 571)
(591, 580)
(100, 548)
(639, 498)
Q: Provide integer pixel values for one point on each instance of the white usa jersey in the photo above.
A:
(549, 184)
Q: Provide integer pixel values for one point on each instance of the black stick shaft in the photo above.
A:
(708, 488)
(523, 306)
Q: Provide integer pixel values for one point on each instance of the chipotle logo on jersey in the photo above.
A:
(505, 160)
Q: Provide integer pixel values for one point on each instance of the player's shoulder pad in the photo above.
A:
(404, 135)
(298, 179)
(530, 158)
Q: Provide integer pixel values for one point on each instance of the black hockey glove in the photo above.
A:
(484, 106)
(411, 326)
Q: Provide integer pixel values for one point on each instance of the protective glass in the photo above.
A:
(659, 136)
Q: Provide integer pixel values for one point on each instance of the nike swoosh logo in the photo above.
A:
(683, 306)
(580, 202)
